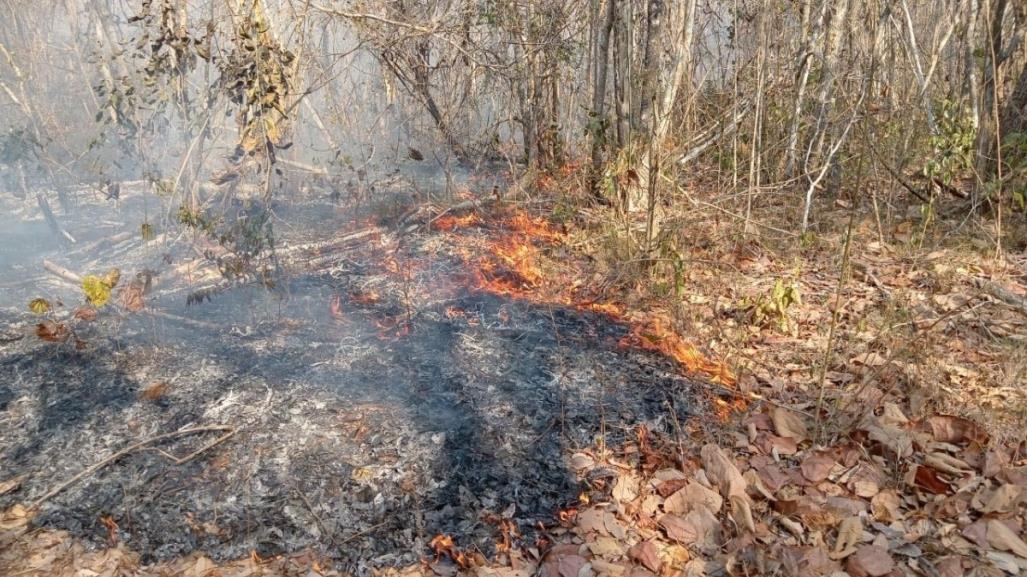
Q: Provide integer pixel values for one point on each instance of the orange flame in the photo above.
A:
(450, 222)
(514, 265)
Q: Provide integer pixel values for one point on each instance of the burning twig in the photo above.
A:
(228, 432)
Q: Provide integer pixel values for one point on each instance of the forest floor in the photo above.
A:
(860, 399)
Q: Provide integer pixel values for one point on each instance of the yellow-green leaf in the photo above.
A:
(40, 306)
(97, 291)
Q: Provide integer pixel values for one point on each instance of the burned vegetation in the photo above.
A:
(623, 288)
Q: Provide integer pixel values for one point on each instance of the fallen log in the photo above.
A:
(55, 226)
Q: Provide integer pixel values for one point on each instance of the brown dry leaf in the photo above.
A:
(1002, 500)
(723, 472)
(132, 297)
(592, 520)
(870, 561)
(886, 507)
(154, 391)
(646, 554)
(606, 547)
(679, 530)
(947, 463)
(894, 438)
(741, 512)
(1001, 537)
(52, 332)
(951, 566)
(817, 467)
(849, 533)
(928, 478)
(11, 484)
(952, 429)
(86, 314)
(789, 424)
(707, 526)
(692, 494)
(15, 517)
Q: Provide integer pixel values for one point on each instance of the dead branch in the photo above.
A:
(228, 432)
(1018, 303)
(55, 226)
(62, 272)
(328, 245)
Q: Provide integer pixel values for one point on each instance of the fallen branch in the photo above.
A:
(106, 242)
(228, 432)
(62, 272)
(330, 244)
(183, 320)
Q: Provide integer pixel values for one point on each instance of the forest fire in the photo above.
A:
(514, 265)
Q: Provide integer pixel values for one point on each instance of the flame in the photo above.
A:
(653, 335)
(513, 265)
(368, 298)
(450, 222)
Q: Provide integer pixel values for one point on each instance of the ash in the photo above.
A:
(378, 400)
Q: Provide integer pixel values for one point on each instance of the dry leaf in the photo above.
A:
(11, 484)
(1001, 537)
(817, 467)
(886, 507)
(1003, 499)
(154, 391)
(788, 424)
(692, 494)
(928, 478)
(952, 429)
(87, 314)
(646, 554)
(606, 547)
(52, 332)
(723, 472)
(870, 561)
(849, 534)
(132, 297)
(679, 530)
(947, 463)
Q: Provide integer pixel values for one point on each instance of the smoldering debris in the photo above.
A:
(368, 416)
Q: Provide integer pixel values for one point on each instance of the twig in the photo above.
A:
(183, 320)
(228, 432)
